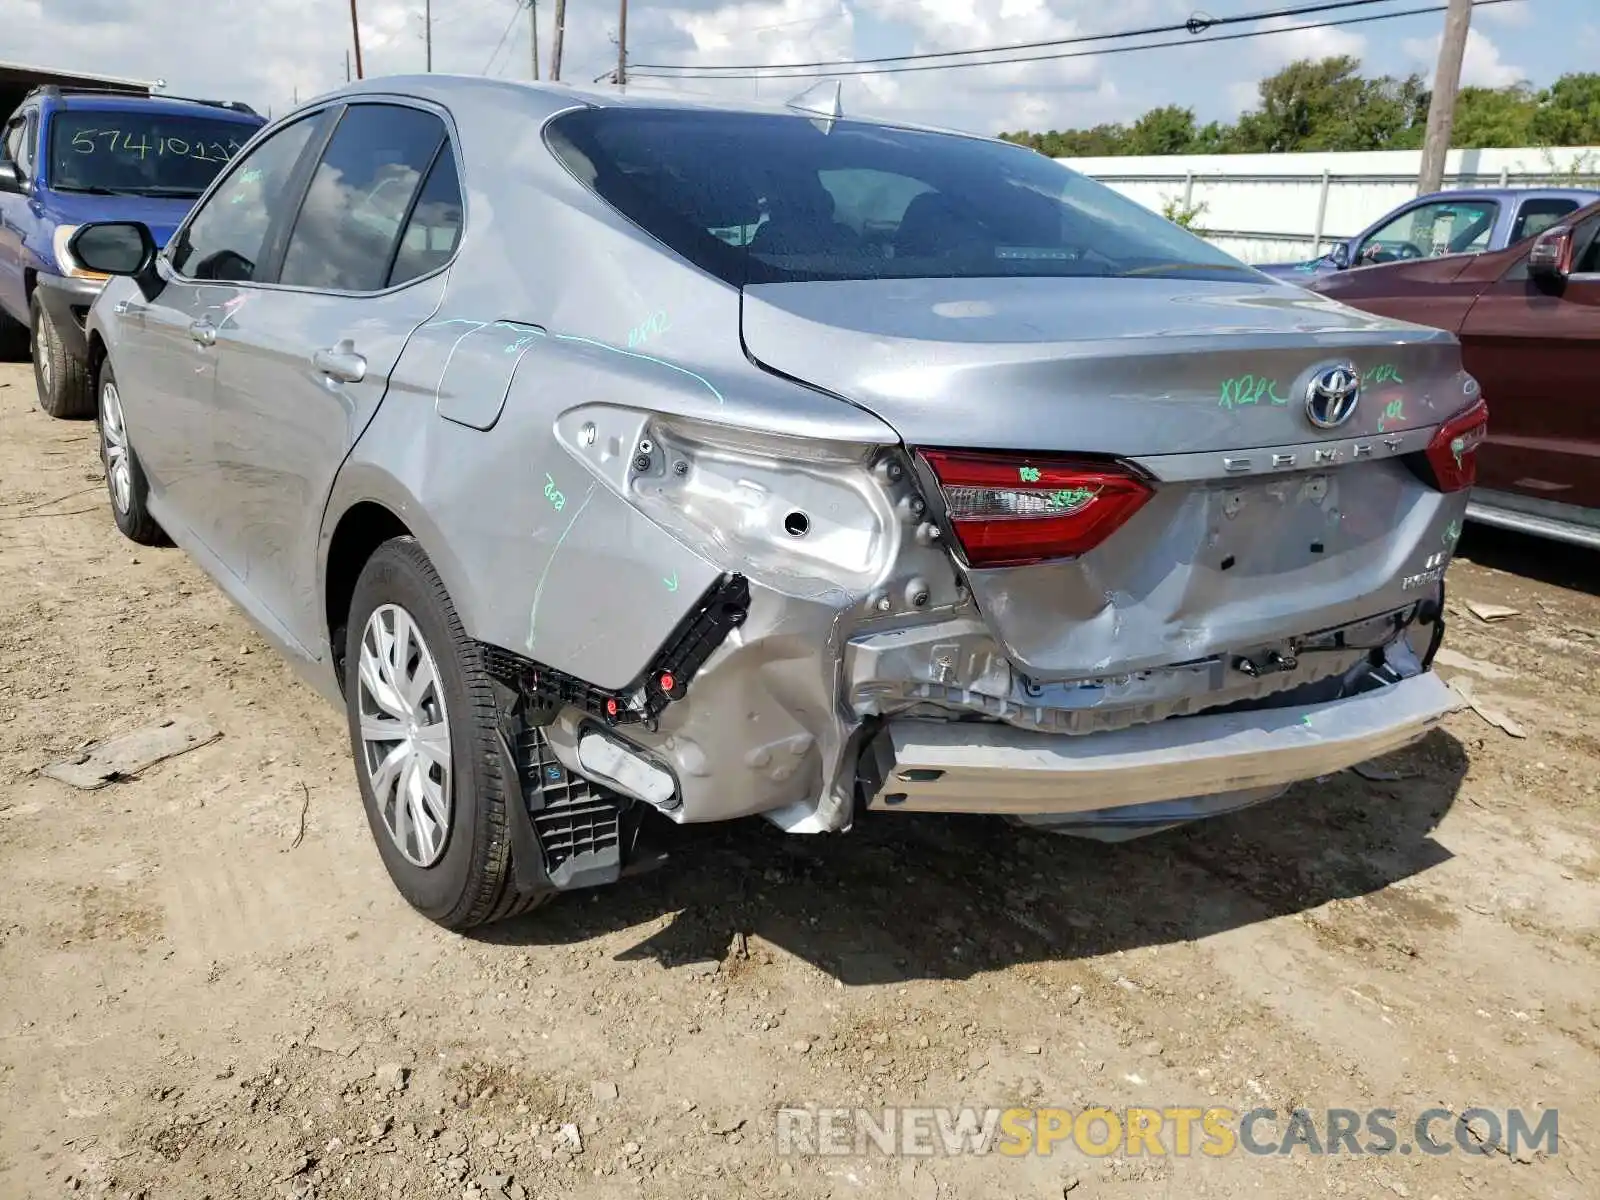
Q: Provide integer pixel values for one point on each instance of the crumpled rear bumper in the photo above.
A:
(982, 767)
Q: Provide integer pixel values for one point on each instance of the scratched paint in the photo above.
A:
(1393, 411)
(1249, 389)
(538, 590)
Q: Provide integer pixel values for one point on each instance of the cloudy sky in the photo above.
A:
(267, 51)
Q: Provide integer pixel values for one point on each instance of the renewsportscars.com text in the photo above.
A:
(1180, 1131)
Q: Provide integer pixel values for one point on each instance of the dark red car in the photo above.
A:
(1528, 318)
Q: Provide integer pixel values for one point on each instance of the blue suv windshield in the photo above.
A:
(140, 153)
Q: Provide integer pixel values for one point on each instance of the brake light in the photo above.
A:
(1011, 509)
(1452, 455)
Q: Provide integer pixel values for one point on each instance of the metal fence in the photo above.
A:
(1277, 207)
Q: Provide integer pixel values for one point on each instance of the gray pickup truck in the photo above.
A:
(1460, 222)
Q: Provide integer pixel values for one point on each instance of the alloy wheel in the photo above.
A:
(405, 734)
(114, 445)
(42, 352)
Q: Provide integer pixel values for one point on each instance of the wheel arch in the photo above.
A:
(367, 508)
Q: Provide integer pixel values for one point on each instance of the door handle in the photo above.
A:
(203, 332)
(341, 362)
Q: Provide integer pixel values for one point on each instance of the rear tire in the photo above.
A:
(64, 381)
(423, 725)
(126, 484)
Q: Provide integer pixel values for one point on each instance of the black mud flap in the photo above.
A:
(567, 833)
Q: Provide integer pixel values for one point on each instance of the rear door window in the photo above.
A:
(348, 229)
(1535, 216)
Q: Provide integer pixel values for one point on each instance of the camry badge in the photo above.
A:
(1331, 396)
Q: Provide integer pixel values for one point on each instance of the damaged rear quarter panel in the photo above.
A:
(546, 555)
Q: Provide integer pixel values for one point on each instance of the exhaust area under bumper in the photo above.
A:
(981, 767)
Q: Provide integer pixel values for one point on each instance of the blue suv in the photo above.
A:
(71, 157)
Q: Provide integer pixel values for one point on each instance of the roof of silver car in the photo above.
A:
(444, 89)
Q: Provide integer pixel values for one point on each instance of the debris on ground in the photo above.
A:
(1495, 716)
(125, 756)
(1487, 612)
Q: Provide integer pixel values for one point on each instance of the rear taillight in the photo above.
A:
(1009, 509)
(1452, 455)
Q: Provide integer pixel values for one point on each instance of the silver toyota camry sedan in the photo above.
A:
(607, 456)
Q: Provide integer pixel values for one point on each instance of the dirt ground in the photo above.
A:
(208, 987)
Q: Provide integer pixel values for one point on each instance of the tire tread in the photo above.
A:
(490, 893)
(74, 393)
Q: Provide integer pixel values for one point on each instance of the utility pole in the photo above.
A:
(347, 66)
(355, 32)
(1442, 104)
(533, 34)
(558, 38)
(622, 43)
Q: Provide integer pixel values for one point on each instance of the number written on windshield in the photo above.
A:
(116, 141)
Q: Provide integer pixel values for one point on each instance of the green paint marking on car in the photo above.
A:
(1028, 474)
(1249, 389)
(1383, 373)
(553, 494)
(1393, 411)
(1072, 499)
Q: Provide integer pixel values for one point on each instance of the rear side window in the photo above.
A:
(431, 234)
(757, 198)
(345, 236)
(1536, 216)
(228, 234)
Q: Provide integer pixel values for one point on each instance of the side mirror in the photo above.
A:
(118, 248)
(1339, 256)
(10, 180)
(1550, 259)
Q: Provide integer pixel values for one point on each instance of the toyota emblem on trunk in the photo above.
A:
(1331, 396)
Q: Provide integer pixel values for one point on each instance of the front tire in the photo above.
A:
(424, 735)
(125, 479)
(64, 382)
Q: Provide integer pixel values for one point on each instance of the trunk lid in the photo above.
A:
(1106, 366)
(1264, 528)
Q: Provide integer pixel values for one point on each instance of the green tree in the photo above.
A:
(1330, 105)
(1167, 130)
(1568, 112)
(1488, 117)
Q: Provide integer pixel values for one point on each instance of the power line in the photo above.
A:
(1196, 24)
(1001, 62)
(505, 33)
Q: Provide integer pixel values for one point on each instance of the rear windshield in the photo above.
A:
(140, 153)
(755, 198)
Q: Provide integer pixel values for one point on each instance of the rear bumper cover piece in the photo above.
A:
(966, 766)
